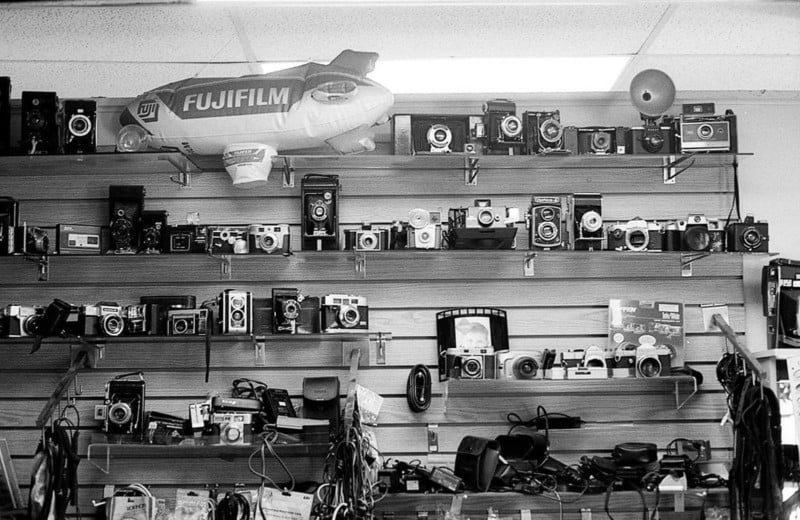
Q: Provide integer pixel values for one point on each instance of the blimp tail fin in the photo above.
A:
(361, 63)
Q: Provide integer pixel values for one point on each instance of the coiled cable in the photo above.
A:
(418, 388)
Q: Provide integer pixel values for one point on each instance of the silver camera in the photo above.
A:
(136, 319)
(237, 312)
(227, 240)
(234, 428)
(23, 320)
(102, 319)
(470, 363)
(424, 229)
(635, 235)
(519, 364)
(653, 360)
(482, 215)
(343, 313)
(268, 239)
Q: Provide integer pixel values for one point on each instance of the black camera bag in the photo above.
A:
(476, 461)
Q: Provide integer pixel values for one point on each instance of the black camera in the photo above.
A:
(39, 123)
(343, 313)
(187, 322)
(125, 406)
(366, 239)
(293, 313)
(9, 218)
(548, 221)
(23, 320)
(596, 140)
(236, 312)
(650, 139)
(696, 233)
(503, 129)
(228, 240)
(320, 212)
(137, 319)
(269, 239)
(186, 238)
(482, 226)
(587, 221)
(35, 240)
(543, 132)
(154, 232)
(635, 235)
(80, 129)
(102, 319)
(125, 204)
(748, 236)
(157, 307)
(427, 133)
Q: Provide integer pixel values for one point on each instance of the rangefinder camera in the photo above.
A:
(470, 363)
(228, 240)
(696, 233)
(343, 313)
(102, 319)
(635, 235)
(366, 239)
(653, 360)
(269, 239)
(187, 322)
(23, 320)
(515, 364)
(596, 140)
(424, 230)
(234, 428)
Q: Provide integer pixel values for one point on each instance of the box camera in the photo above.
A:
(429, 133)
(650, 139)
(696, 233)
(79, 239)
(187, 322)
(80, 128)
(483, 215)
(157, 307)
(653, 360)
(424, 229)
(9, 218)
(748, 236)
(548, 217)
(228, 240)
(587, 229)
(366, 239)
(23, 320)
(517, 364)
(482, 226)
(470, 363)
(102, 319)
(543, 132)
(503, 129)
(234, 428)
(154, 236)
(596, 140)
(39, 123)
(125, 204)
(344, 313)
(186, 238)
(125, 406)
(635, 235)
(320, 212)
(236, 312)
(706, 133)
(269, 239)
(292, 313)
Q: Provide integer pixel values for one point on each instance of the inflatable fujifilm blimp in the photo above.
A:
(249, 119)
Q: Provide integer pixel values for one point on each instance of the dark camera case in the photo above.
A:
(476, 461)
(321, 399)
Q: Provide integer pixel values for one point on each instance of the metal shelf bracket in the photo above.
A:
(360, 263)
(288, 172)
(184, 166)
(471, 169)
(678, 403)
(669, 166)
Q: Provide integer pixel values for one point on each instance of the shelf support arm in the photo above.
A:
(749, 358)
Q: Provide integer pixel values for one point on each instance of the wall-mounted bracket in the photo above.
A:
(381, 339)
(43, 266)
(224, 266)
(669, 167)
(527, 264)
(360, 263)
(288, 172)
(184, 166)
(260, 350)
(678, 403)
(433, 438)
(471, 169)
(687, 260)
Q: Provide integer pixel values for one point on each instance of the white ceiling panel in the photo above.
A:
(164, 33)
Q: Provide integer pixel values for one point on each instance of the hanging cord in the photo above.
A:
(267, 439)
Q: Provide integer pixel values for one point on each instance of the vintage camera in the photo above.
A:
(503, 129)
(320, 212)
(269, 239)
(102, 319)
(154, 236)
(234, 428)
(515, 364)
(653, 360)
(186, 238)
(9, 218)
(482, 226)
(35, 240)
(543, 132)
(699, 130)
(293, 313)
(548, 218)
(424, 229)
(482, 215)
(429, 134)
(39, 123)
(622, 360)
(366, 239)
(236, 309)
(157, 307)
(343, 313)
(79, 239)
(596, 140)
(748, 236)
(470, 363)
(125, 204)
(136, 319)
(125, 406)
(5, 115)
(650, 139)
(780, 294)
(589, 363)
(187, 322)
(696, 233)
(587, 221)
(635, 235)
(80, 128)
(228, 240)
(23, 320)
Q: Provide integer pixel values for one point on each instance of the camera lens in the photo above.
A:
(471, 367)
(547, 230)
(705, 131)
(112, 324)
(547, 213)
(231, 434)
(601, 142)
(526, 368)
(237, 316)
(349, 316)
(319, 211)
(291, 309)
(367, 241)
(591, 221)
(648, 367)
(652, 141)
(237, 302)
(79, 125)
(32, 324)
(752, 238)
(697, 239)
(267, 242)
(120, 413)
(180, 326)
(637, 239)
(486, 217)
(511, 126)
(439, 136)
(551, 130)
(151, 238)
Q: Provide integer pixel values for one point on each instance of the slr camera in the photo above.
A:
(40, 123)
(269, 239)
(366, 239)
(543, 132)
(125, 204)
(470, 363)
(125, 406)
(79, 126)
(696, 233)
(102, 319)
(228, 240)
(516, 364)
(343, 313)
(236, 309)
(547, 221)
(635, 235)
(653, 360)
(154, 225)
(596, 140)
(23, 320)
(187, 322)
(186, 238)
(748, 236)
(320, 212)
(424, 229)
(292, 313)
(234, 428)
(503, 129)
(431, 133)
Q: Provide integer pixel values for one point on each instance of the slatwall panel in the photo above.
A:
(562, 306)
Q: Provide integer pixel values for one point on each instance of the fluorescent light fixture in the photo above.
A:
(494, 75)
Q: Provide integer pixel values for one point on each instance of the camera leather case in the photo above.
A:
(476, 461)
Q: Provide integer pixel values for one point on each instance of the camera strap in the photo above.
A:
(209, 322)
